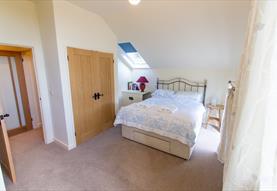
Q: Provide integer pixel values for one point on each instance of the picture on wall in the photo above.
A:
(130, 85)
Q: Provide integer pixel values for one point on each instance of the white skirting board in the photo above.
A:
(63, 145)
(164, 144)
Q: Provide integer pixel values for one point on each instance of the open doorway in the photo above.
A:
(19, 94)
(19, 100)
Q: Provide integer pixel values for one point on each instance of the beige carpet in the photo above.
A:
(110, 162)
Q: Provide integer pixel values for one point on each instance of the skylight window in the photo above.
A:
(132, 56)
(136, 58)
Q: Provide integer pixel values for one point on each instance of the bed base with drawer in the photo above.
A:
(159, 142)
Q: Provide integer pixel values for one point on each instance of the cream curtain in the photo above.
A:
(226, 127)
(252, 155)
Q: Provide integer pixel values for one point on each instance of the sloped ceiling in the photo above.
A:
(180, 34)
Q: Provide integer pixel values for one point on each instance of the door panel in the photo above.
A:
(5, 150)
(82, 66)
(105, 61)
(16, 87)
(95, 70)
(23, 91)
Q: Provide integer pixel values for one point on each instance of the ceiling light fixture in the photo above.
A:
(134, 2)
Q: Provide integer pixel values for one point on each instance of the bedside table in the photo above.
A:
(214, 115)
(134, 96)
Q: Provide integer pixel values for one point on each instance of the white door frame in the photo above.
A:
(44, 100)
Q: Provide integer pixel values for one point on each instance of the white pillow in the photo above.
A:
(195, 96)
(163, 93)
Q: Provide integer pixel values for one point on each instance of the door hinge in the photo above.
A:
(75, 134)
(22, 60)
(67, 58)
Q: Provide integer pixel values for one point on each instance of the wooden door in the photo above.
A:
(87, 72)
(6, 159)
(106, 89)
(23, 91)
(81, 63)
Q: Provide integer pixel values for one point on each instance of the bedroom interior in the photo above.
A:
(138, 95)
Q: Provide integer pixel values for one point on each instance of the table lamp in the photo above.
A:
(142, 80)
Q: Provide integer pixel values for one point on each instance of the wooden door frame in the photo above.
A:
(23, 91)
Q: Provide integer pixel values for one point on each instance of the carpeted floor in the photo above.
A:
(110, 162)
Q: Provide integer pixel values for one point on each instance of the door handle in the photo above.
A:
(3, 116)
(97, 96)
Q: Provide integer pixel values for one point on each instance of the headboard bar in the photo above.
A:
(187, 84)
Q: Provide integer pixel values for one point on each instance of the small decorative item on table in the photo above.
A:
(134, 86)
(142, 80)
(214, 115)
(130, 85)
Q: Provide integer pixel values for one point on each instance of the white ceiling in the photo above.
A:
(181, 33)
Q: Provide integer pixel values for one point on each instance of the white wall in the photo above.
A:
(179, 33)
(19, 26)
(217, 79)
(124, 76)
(49, 41)
(76, 27)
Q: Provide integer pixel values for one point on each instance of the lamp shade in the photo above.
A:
(142, 79)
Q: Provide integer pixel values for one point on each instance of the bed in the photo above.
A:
(170, 120)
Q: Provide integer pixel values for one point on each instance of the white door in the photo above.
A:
(2, 184)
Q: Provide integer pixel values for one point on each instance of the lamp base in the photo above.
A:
(142, 87)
